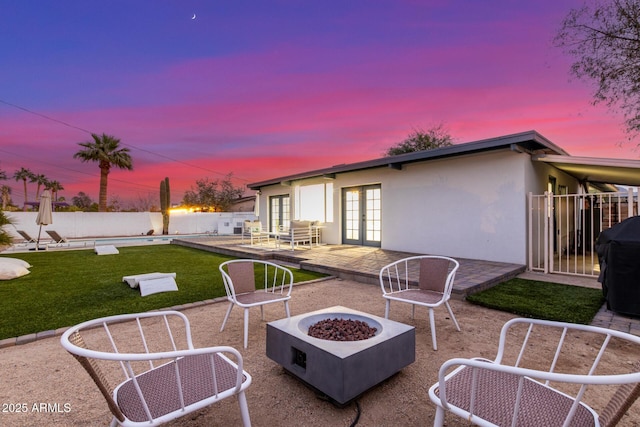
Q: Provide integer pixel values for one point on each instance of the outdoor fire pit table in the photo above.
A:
(342, 370)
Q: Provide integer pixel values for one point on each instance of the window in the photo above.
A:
(314, 202)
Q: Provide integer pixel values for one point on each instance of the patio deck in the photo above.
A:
(359, 263)
(362, 264)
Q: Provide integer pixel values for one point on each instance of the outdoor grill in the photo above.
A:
(618, 251)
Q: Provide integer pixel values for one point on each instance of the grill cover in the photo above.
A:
(618, 251)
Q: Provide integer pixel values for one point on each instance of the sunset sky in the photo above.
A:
(263, 89)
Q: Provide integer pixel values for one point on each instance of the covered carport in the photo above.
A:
(608, 195)
(596, 171)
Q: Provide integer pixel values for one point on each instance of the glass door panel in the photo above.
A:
(280, 212)
(362, 215)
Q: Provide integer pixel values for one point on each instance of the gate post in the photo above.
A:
(548, 240)
(530, 232)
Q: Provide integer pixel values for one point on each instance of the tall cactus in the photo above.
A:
(165, 204)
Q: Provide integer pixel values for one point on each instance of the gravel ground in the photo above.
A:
(42, 385)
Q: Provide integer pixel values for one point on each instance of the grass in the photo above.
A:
(67, 287)
(542, 300)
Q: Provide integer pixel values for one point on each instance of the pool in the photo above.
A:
(141, 240)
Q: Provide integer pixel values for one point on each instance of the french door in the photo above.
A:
(362, 215)
(279, 212)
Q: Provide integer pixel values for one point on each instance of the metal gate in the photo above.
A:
(563, 228)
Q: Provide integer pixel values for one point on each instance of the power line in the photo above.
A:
(128, 145)
(181, 162)
(43, 116)
(135, 184)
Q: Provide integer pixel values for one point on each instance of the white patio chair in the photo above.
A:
(165, 377)
(256, 233)
(298, 233)
(423, 280)
(241, 277)
(527, 390)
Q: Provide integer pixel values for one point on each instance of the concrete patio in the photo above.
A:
(277, 398)
(359, 263)
(362, 264)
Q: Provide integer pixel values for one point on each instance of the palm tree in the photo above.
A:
(106, 151)
(5, 195)
(41, 180)
(54, 186)
(5, 190)
(23, 174)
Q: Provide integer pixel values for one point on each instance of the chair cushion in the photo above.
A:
(242, 276)
(496, 396)
(159, 386)
(261, 297)
(433, 274)
(419, 296)
(299, 224)
(255, 226)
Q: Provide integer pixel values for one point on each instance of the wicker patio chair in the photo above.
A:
(241, 281)
(165, 377)
(422, 280)
(527, 390)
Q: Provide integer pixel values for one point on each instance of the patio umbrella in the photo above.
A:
(44, 213)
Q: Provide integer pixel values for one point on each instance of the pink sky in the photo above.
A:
(267, 89)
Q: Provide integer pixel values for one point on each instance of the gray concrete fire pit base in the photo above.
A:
(342, 370)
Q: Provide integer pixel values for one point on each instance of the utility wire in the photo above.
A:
(128, 145)
(43, 116)
(77, 171)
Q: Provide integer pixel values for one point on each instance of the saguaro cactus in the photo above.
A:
(165, 204)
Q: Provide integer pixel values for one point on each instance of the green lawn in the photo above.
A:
(542, 300)
(68, 287)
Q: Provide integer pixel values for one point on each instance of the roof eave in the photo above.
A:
(530, 141)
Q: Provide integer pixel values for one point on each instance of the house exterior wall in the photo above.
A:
(471, 206)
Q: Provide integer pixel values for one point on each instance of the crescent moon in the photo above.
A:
(194, 16)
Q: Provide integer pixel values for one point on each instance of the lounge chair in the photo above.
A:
(26, 237)
(58, 239)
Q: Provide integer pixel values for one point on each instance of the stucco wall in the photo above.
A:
(109, 224)
(471, 206)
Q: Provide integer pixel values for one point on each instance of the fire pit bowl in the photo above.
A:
(342, 370)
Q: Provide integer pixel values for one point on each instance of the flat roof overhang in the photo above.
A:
(596, 170)
(530, 141)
